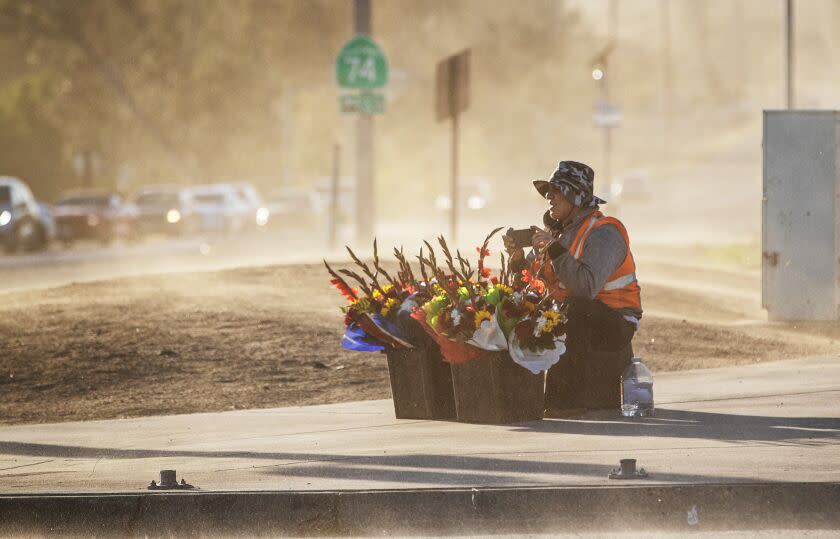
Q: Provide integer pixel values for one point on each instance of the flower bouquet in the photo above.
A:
(537, 340)
(461, 316)
(371, 318)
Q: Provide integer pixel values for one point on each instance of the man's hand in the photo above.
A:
(540, 239)
(514, 252)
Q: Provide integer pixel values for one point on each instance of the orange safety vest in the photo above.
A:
(621, 289)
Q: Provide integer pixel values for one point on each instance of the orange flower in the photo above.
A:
(349, 293)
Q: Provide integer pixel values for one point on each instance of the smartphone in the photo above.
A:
(521, 238)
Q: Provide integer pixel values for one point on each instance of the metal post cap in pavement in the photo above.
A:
(169, 479)
(628, 471)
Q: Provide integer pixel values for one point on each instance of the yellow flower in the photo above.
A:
(481, 316)
(377, 295)
(552, 319)
(389, 304)
(504, 289)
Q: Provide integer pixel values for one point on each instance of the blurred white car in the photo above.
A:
(218, 208)
(254, 204)
(473, 194)
(631, 188)
(25, 224)
(294, 208)
(164, 209)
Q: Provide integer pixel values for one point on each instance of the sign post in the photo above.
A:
(361, 67)
(452, 98)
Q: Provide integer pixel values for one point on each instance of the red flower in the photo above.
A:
(482, 253)
(527, 276)
(349, 293)
(485, 272)
(538, 285)
(494, 280)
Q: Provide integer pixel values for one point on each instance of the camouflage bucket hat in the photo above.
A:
(575, 180)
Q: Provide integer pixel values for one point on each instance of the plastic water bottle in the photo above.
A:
(637, 390)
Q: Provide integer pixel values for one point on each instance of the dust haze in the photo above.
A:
(194, 92)
(118, 96)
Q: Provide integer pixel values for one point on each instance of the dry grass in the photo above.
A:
(247, 338)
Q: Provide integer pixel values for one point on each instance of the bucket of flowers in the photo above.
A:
(377, 318)
(470, 315)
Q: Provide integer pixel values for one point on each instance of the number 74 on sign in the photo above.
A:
(361, 65)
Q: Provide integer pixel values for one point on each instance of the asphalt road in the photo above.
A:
(90, 261)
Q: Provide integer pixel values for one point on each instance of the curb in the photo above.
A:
(705, 507)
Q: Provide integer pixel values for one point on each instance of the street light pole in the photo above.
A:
(612, 30)
(605, 98)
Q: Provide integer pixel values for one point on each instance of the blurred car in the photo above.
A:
(473, 195)
(292, 208)
(47, 222)
(632, 188)
(93, 215)
(164, 210)
(253, 204)
(218, 208)
(24, 223)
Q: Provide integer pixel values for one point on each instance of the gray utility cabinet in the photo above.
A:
(801, 215)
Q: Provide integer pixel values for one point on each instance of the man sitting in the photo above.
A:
(584, 258)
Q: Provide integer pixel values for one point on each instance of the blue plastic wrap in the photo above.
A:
(357, 340)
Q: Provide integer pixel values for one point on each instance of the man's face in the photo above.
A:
(561, 208)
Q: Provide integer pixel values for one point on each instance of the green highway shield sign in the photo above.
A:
(361, 65)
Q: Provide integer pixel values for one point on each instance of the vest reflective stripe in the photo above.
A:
(622, 289)
(585, 233)
(621, 282)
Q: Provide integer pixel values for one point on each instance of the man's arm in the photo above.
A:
(603, 252)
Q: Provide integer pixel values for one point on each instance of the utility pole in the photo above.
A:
(789, 64)
(286, 111)
(365, 192)
(741, 72)
(667, 77)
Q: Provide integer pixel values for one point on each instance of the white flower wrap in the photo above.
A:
(536, 361)
(489, 336)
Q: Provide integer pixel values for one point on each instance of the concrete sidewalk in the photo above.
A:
(766, 422)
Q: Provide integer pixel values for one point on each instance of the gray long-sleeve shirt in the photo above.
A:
(603, 253)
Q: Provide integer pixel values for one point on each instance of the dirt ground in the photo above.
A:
(269, 336)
